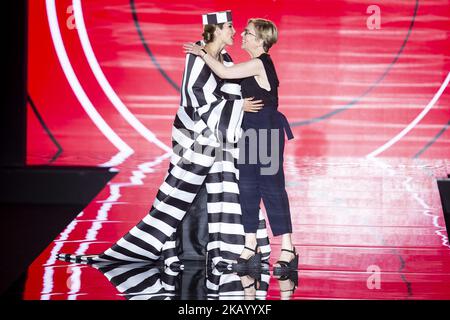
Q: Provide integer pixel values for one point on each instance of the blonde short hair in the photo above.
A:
(265, 30)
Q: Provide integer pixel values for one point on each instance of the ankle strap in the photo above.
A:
(291, 251)
(253, 250)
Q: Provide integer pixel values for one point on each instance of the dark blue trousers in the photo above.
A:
(254, 186)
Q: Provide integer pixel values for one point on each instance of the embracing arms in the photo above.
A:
(253, 67)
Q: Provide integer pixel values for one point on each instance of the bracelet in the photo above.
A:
(204, 52)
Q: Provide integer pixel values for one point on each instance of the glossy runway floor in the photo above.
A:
(369, 110)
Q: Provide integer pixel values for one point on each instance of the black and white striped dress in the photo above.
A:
(205, 133)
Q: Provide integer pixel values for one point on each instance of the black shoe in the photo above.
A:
(285, 267)
(252, 263)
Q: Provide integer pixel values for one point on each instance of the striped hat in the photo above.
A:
(217, 17)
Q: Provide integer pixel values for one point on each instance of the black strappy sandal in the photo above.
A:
(252, 263)
(285, 267)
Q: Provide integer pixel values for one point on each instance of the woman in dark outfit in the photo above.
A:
(257, 180)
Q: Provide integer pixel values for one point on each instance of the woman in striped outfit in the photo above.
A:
(258, 181)
(205, 132)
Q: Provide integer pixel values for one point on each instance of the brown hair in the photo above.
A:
(208, 31)
(265, 30)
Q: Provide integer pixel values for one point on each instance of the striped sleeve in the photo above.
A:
(200, 90)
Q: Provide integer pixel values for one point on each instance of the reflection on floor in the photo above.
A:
(146, 281)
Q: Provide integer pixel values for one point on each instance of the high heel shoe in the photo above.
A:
(252, 263)
(286, 267)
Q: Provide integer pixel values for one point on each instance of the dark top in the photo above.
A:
(268, 117)
(251, 88)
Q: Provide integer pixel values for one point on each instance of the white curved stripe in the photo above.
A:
(125, 150)
(104, 83)
(414, 122)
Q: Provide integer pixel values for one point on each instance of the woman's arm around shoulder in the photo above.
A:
(253, 67)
